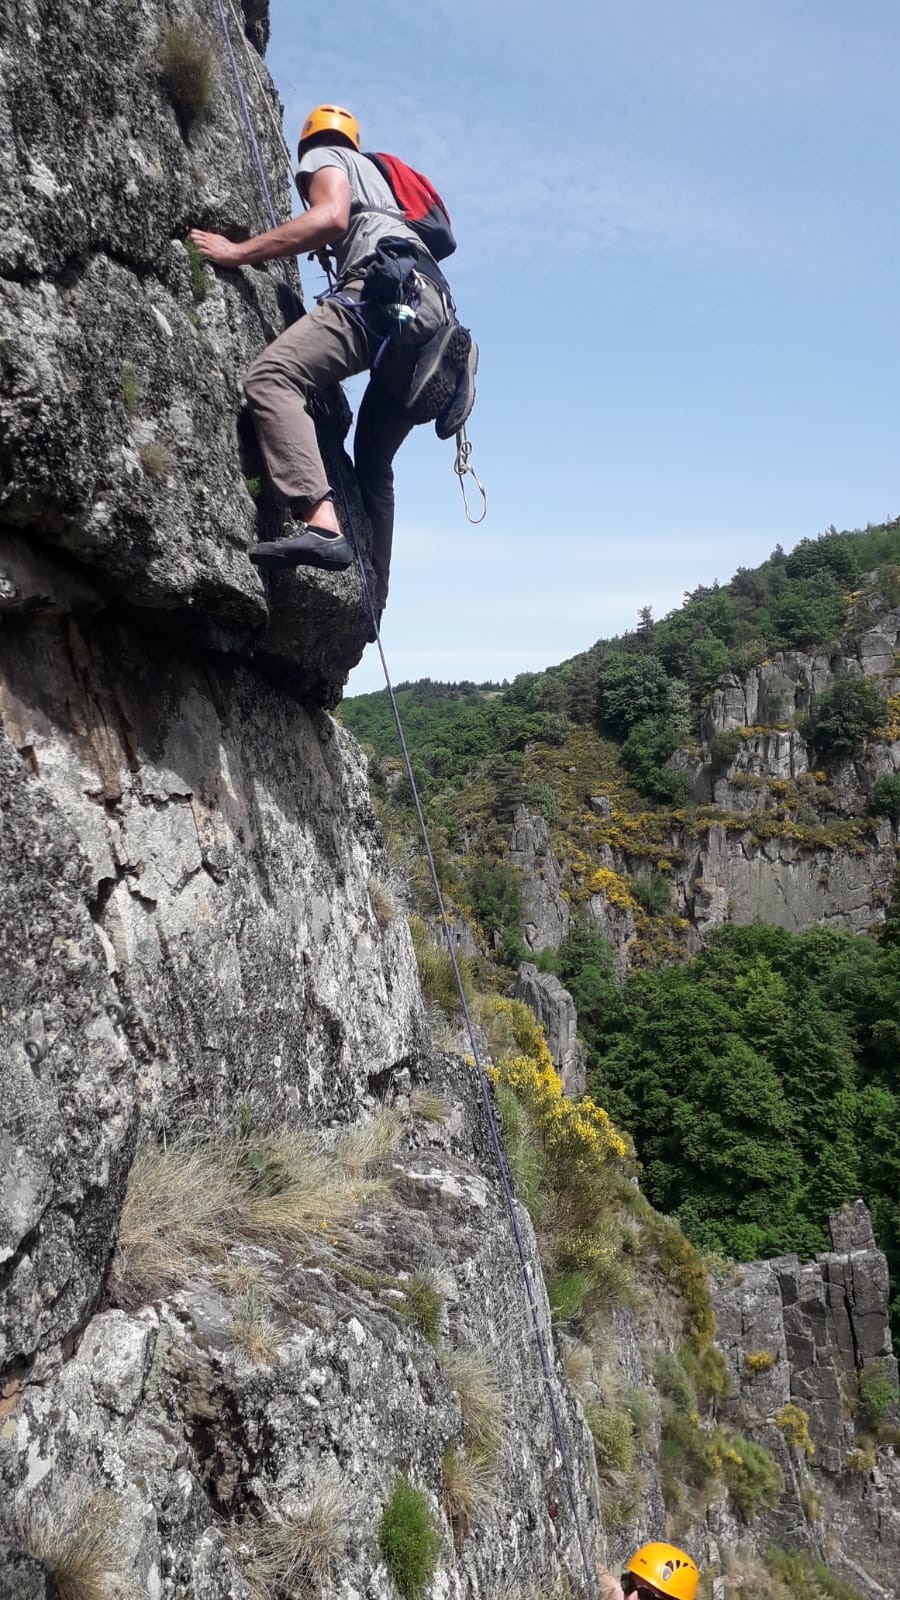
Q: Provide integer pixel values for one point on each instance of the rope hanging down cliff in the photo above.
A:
(462, 468)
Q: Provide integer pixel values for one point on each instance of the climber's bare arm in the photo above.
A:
(325, 221)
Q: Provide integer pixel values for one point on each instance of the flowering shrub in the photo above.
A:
(752, 1475)
(608, 883)
(794, 1424)
(759, 1361)
(577, 1135)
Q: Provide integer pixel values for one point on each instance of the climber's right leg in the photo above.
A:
(323, 347)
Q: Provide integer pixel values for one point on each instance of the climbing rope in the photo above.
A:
(483, 1084)
(462, 468)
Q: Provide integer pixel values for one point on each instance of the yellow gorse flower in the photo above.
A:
(577, 1135)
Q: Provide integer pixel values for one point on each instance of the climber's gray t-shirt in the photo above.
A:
(354, 249)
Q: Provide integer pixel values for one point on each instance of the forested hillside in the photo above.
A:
(646, 689)
(753, 1065)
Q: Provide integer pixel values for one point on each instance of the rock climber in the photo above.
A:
(389, 310)
(655, 1572)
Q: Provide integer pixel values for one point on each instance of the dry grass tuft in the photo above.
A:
(369, 1143)
(79, 1544)
(300, 1553)
(188, 70)
(468, 1485)
(187, 1205)
(445, 1034)
(254, 1329)
(474, 1377)
(239, 1277)
(384, 902)
(579, 1364)
(300, 1189)
(156, 458)
(181, 1210)
(429, 1107)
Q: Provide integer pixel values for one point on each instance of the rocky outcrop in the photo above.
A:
(555, 1010)
(217, 943)
(783, 688)
(121, 361)
(546, 918)
(205, 1448)
(730, 876)
(801, 1334)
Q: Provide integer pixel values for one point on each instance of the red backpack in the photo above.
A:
(420, 203)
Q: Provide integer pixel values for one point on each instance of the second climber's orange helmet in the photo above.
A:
(667, 1569)
(331, 119)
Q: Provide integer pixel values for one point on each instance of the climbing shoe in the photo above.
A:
(451, 419)
(303, 546)
(434, 379)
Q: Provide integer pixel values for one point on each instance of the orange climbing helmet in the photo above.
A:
(667, 1569)
(331, 119)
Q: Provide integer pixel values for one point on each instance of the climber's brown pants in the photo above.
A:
(324, 347)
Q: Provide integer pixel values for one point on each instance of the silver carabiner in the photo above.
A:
(461, 467)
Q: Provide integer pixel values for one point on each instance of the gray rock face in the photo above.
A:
(547, 917)
(820, 1324)
(120, 372)
(68, 1121)
(201, 1445)
(731, 877)
(555, 1010)
(190, 933)
(221, 945)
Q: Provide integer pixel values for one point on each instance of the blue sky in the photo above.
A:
(679, 238)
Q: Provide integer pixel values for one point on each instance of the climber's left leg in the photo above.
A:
(380, 431)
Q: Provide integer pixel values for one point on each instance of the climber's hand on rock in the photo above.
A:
(215, 247)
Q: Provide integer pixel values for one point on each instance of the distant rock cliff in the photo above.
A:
(774, 838)
(801, 1335)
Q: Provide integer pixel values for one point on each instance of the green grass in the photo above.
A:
(423, 1306)
(187, 68)
(523, 1152)
(613, 1434)
(408, 1539)
(200, 289)
(436, 974)
(132, 389)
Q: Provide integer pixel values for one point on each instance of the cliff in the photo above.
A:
(767, 836)
(815, 1337)
(263, 1330)
(229, 1329)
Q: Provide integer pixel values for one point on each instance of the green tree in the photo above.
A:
(632, 687)
(886, 797)
(843, 717)
(495, 891)
(582, 691)
(833, 553)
